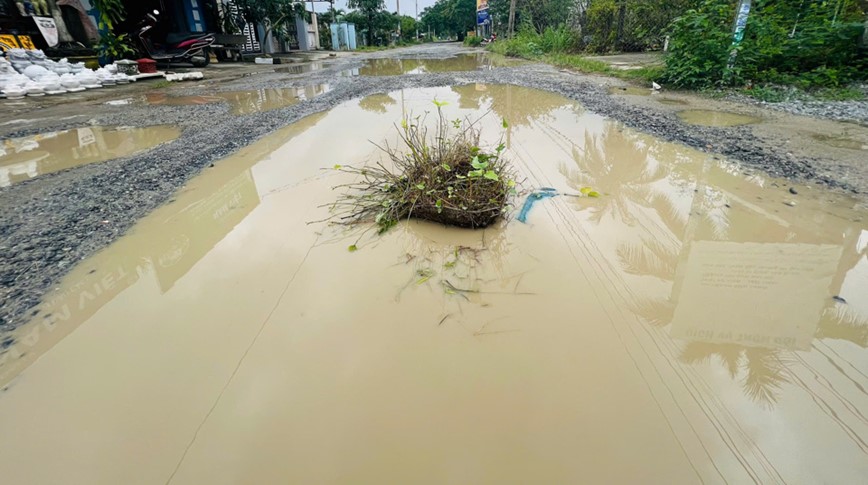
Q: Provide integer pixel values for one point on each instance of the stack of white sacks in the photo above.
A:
(30, 73)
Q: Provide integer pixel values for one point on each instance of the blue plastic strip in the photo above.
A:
(532, 199)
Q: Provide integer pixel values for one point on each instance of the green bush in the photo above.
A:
(529, 44)
(601, 26)
(473, 41)
(628, 26)
(560, 39)
(699, 45)
(813, 44)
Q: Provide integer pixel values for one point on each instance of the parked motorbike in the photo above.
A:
(192, 48)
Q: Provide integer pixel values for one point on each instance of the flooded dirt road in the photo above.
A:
(29, 157)
(696, 323)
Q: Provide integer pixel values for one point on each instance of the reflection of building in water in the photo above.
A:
(29, 157)
(196, 229)
(168, 243)
(183, 239)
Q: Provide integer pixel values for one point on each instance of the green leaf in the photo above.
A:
(460, 177)
(593, 194)
(420, 186)
(353, 248)
(338, 167)
(586, 190)
(479, 165)
(491, 175)
(440, 104)
(475, 173)
(446, 167)
(505, 124)
(425, 274)
(511, 184)
(501, 148)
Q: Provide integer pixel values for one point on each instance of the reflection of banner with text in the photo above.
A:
(733, 293)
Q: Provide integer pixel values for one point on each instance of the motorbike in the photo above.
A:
(191, 48)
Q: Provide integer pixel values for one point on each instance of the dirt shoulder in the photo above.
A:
(50, 223)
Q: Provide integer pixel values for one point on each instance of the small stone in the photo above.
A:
(794, 191)
(839, 299)
(790, 203)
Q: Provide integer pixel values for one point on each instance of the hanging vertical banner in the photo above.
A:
(741, 22)
(481, 12)
(48, 29)
(737, 35)
(481, 17)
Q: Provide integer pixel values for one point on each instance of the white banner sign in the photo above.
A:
(48, 28)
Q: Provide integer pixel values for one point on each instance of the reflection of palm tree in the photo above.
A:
(656, 312)
(651, 258)
(763, 369)
(377, 103)
(615, 162)
(844, 325)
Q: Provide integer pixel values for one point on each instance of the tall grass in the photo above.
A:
(560, 47)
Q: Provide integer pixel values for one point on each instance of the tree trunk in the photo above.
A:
(622, 12)
(370, 31)
(511, 18)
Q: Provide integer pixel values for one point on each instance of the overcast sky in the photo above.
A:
(408, 7)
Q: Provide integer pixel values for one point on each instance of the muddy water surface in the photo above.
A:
(29, 157)
(244, 102)
(687, 325)
(715, 118)
(842, 141)
(673, 101)
(464, 62)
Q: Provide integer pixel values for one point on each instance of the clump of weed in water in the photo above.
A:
(446, 178)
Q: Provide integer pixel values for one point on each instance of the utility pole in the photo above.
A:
(398, 2)
(417, 21)
(511, 18)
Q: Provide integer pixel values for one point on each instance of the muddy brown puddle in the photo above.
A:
(842, 141)
(715, 118)
(244, 102)
(463, 62)
(29, 157)
(687, 325)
